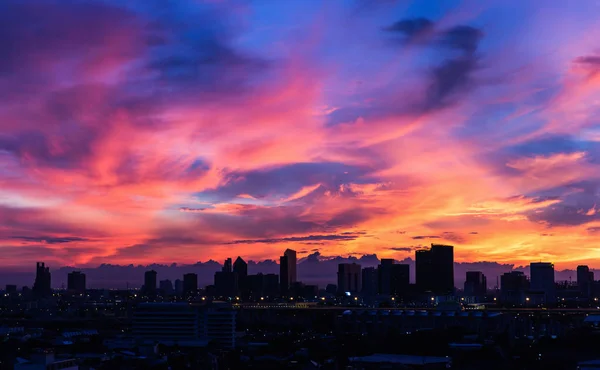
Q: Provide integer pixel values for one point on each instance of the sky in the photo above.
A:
(157, 131)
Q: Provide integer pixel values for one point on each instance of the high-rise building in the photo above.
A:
(190, 283)
(42, 287)
(287, 270)
(542, 280)
(585, 280)
(240, 267)
(263, 285)
(150, 282)
(399, 279)
(513, 288)
(475, 284)
(76, 282)
(370, 282)
(166, 286)
(227, 266)
(178, 286)
(435, 269)
(349, 277)
(384, 275)
(226, 281)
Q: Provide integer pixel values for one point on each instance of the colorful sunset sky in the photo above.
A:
(180, 131)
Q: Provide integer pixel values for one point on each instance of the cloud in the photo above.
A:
(192, 210)
(402, 249)
(419, 237)
(132, 132)
(411, 28)
(345, 237)
(465, 38)
(50, 240)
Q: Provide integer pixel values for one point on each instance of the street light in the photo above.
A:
(527, 299)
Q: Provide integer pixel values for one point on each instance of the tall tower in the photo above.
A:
(542, 279)
(287, 270)
(435, 269)
(42, 286)
(150, 282)
(76, 282)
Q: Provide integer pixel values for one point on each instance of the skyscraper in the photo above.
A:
(190, 283)
(399, 279)
(349, 277)
(150, 282)
(384, 272)
(76, 282)
(178, 286)
(166, 287)
(475, 284)
(227, 266)
(585, 279)
(435, 269)
(287, 270)
(370, 282)
(42, 286)
(542, 280)
(226, 281)
(513, 286)
(240, 267)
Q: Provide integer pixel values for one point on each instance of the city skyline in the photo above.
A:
(138, 133)
(313, 271)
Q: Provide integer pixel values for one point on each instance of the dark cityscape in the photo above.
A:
(367, 318)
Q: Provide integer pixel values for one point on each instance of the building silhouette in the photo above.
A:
(226, 281)
(76, 282)
(399, 279)
(513, 288)
(240, 267)
(542, 280)
(178, 286)
(166, 287)
(475, 284)
(227, 266)
(190, 283)
(263, 285)
(585, 280)
(384, 272)
(370, 281)
(349, 277)
(150, 282)
(435, 269)
(42, 286)
(287, 270)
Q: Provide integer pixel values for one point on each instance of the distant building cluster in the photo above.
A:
(434, 282)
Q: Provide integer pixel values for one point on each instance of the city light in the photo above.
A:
(527, 299)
